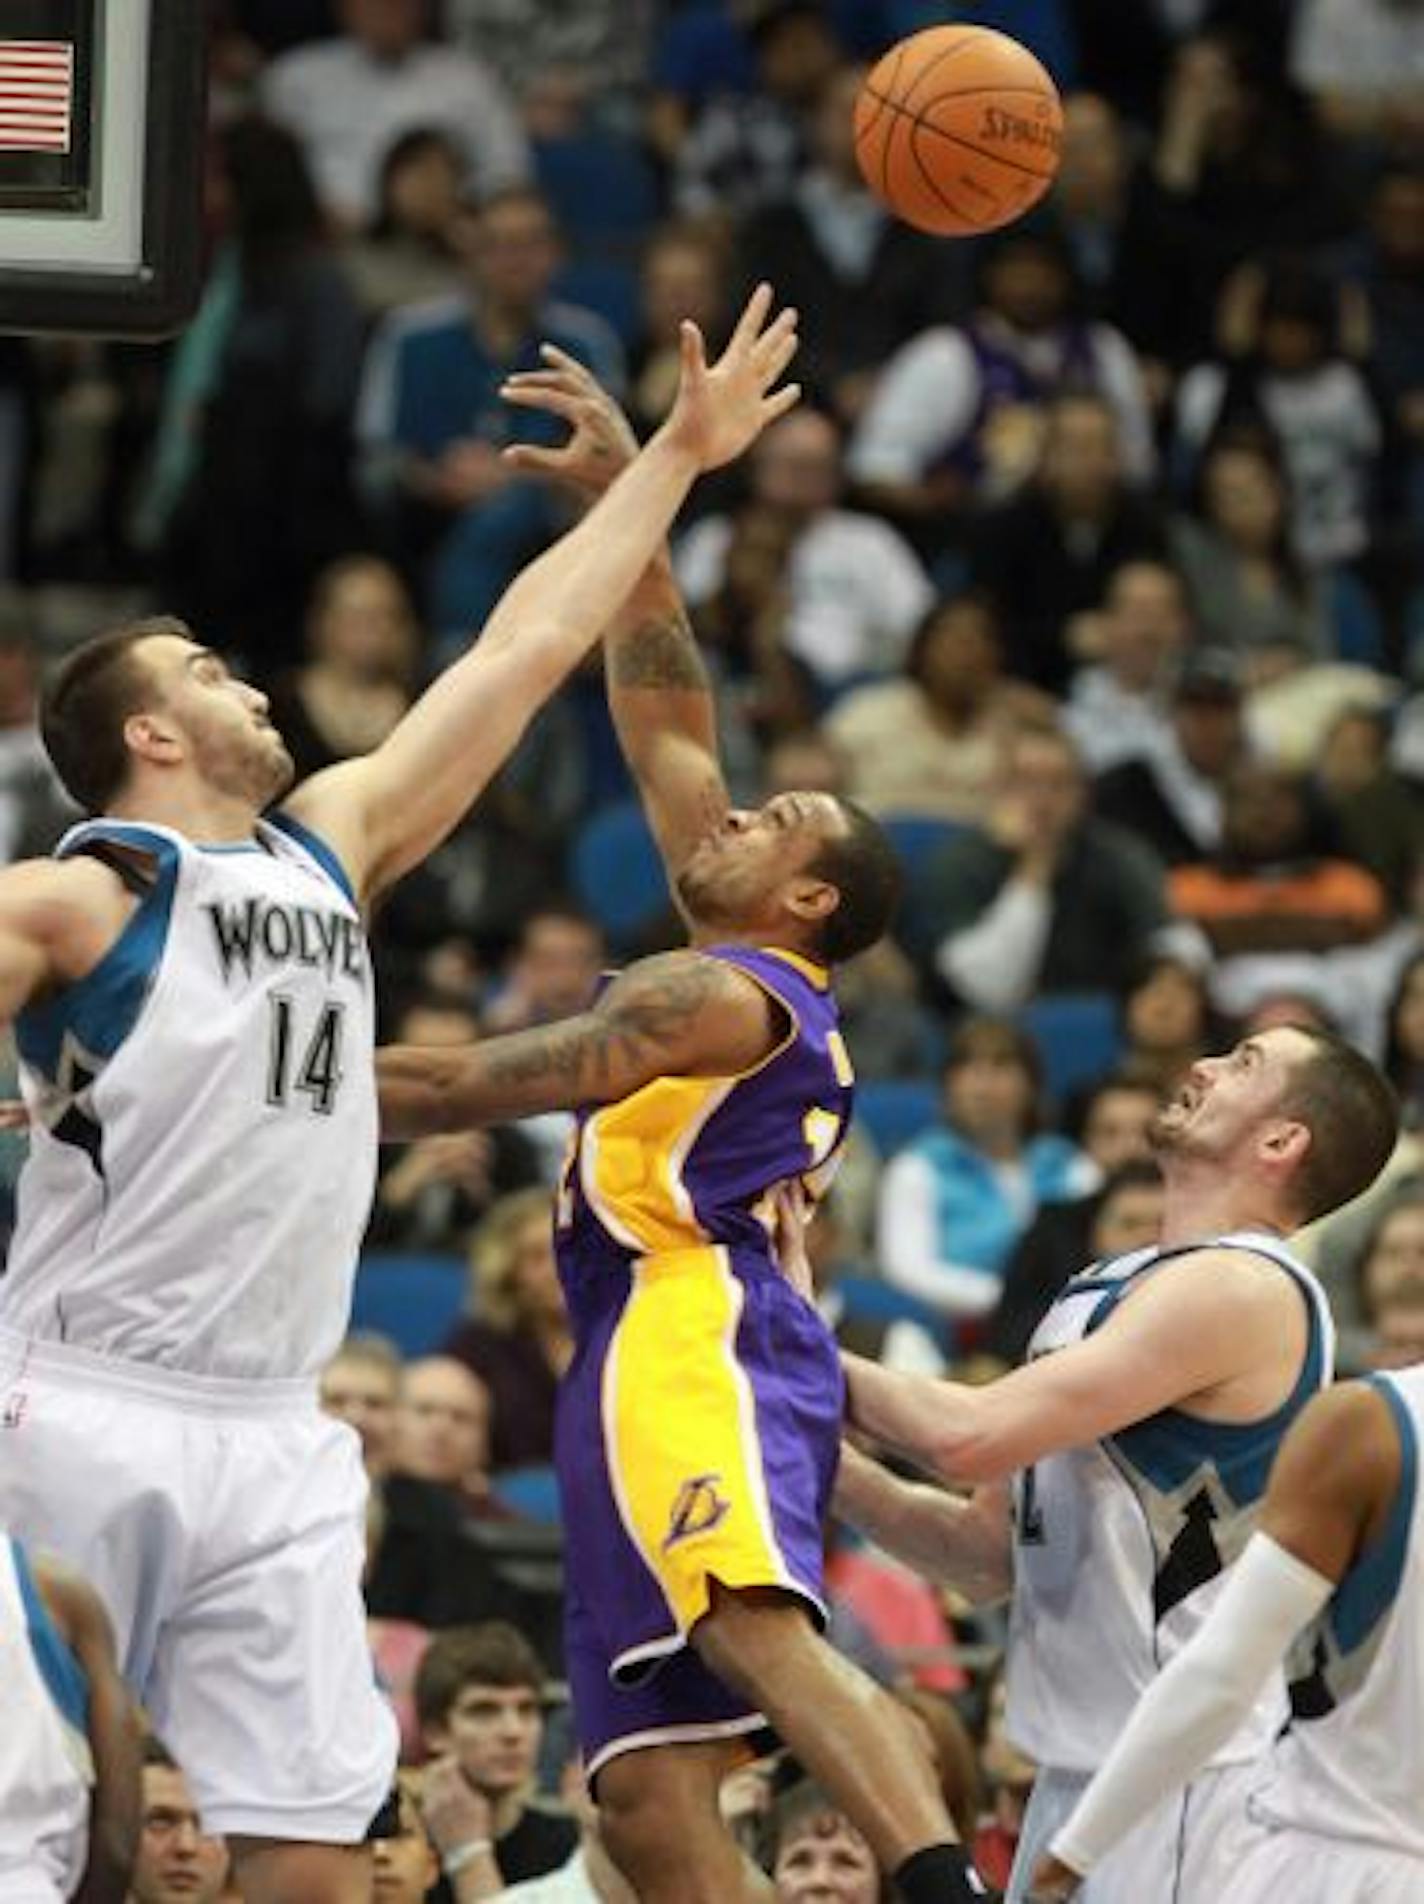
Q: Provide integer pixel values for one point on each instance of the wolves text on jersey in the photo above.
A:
(255, 930)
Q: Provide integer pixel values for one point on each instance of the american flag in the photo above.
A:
(36, 95)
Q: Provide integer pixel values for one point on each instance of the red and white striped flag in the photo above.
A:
(36, 95)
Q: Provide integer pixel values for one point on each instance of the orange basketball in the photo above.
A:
(958, 129)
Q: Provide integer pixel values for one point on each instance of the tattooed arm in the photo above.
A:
(658, 689)
(661, 701)
(677, 1015)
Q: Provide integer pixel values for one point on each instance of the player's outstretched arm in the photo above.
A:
(1330, 1493)
(679, 1014)
(114, 1736)
(659, 692)
(961, 1541)
(385, 812)
(1195, 1326)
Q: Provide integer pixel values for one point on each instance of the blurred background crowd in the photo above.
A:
(1093, 561)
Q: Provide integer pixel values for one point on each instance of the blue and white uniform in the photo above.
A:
(203, 1154)
(1339, 1809)
(46, 1768)
(1121, 1550)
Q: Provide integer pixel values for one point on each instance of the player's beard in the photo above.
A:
(253, 766)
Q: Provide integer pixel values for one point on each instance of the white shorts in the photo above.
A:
(1283, 1866)
(1182, 1852)
(223, 1525)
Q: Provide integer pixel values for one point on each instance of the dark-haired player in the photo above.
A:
(194, 1015)
(699, 1421)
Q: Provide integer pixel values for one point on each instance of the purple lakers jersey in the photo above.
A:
(689, 1163)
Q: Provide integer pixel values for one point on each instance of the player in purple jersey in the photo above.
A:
(699, 1420)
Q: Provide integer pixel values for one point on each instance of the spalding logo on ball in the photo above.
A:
(958, 129)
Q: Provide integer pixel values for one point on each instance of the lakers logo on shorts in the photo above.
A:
(697, 1510)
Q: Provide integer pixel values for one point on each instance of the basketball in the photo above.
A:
(958, 130)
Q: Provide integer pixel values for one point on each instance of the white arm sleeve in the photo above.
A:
(994, 963)
(1197, 1703)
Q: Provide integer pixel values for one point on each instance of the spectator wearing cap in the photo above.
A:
(1118, 706)
(1170, 796)
(350, 98)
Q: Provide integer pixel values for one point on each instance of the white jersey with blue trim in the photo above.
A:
(46, 1769)
(1121, 1547)
(1351, 1763)
(203, 1109)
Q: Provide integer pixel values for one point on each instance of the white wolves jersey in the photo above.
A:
(1351, 1763)
(46, 1770)
(203, 1110)
(1120, 1547)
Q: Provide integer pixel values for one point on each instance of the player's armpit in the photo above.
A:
(114, 1737)
(677, 1015)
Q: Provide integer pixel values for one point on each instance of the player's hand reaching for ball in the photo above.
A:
(602, 442)
(721, 408)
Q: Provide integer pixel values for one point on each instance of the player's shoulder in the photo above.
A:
(690, 977)
(1221, 1275)
(60, 890)
(1347, 1440)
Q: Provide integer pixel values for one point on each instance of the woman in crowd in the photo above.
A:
(363, 648)
(517, 1340)
(1247, 587)
(953, 1204)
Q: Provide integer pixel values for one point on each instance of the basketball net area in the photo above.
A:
(102, 110)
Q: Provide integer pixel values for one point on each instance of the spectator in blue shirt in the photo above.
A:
(432, 422)
(954, 1203)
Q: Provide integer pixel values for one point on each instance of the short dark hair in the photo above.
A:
(1352, 1114)
(86, 701)
(156, 1753)
(494, 1653)
(864, 868)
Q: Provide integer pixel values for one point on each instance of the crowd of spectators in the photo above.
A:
(1093, 560)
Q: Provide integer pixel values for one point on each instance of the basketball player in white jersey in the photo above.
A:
(1140, 1436)
(69, 1741)
(193, 1007)
(1334, 1578)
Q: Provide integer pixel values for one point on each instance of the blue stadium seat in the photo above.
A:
(617, 873)
(602, 188)
(1079, 1035)
(416, 1300)
(894, 1110)
(532, 1493)
(917, 838)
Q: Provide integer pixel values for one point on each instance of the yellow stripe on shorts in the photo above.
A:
(679, 1427)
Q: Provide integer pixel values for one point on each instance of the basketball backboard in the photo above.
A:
(102, 109)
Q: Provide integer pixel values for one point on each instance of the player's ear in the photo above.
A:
(1287, 1142)
(812, 899)
(151, 737)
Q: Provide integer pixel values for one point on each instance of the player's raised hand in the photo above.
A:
(602, 441)
(721, 408)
